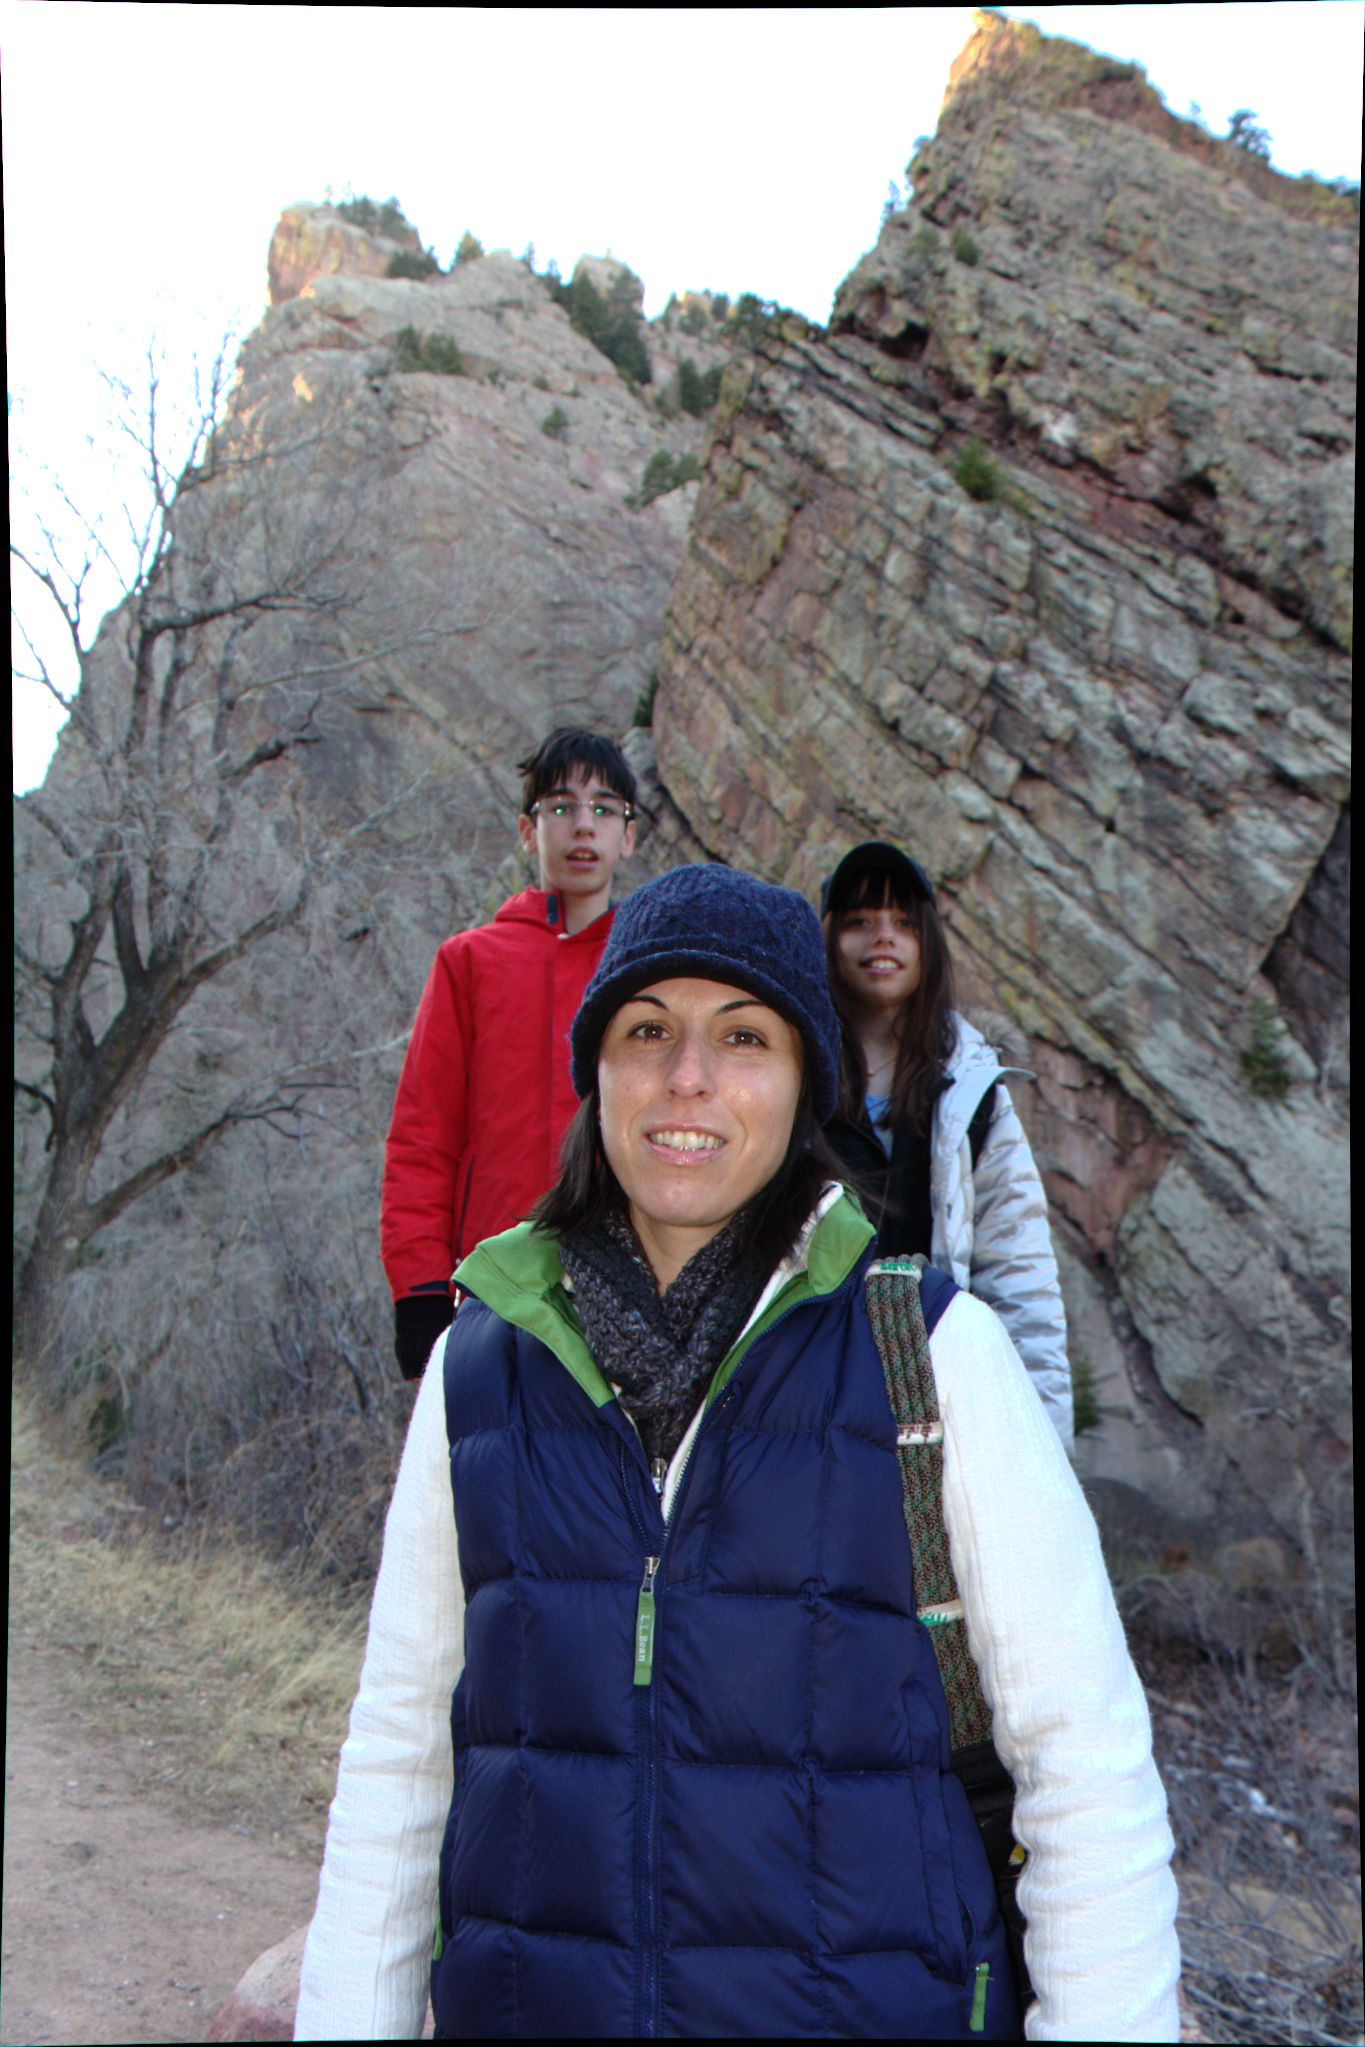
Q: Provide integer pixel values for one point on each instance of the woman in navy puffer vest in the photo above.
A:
(696, 1778)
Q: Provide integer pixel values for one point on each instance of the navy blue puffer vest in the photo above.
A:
(755, 1833)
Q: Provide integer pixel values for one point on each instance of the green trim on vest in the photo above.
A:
(837, 1242)
(518, 1275)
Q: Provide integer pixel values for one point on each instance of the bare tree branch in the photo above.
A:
(39, 1094)
(272, 750)
(66, 839)
(99, 1214)
(246, 608)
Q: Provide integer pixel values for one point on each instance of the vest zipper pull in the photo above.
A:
(977, 2022)
(644, 1625)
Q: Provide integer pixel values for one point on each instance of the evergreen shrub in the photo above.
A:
(697, 391)
(611, 324)
(1246, 134)
(643, 714)
(413, 263)
(1086, 1411)
(976, 472)
(388, 219)
(1264, 1066)
(436, 353)
(755, 321)
(663, 473)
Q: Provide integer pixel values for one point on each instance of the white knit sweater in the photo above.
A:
(1071, 1724)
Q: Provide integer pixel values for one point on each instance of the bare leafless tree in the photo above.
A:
(167, 836)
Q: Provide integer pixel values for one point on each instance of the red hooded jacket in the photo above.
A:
(485, 1095)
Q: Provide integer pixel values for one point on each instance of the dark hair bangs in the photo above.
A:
(571, 749)
(876, 888)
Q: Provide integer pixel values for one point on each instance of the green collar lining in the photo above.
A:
(518, 1275)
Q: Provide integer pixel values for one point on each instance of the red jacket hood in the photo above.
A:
(544, 909)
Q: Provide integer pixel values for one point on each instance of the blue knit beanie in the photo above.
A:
(716, 924)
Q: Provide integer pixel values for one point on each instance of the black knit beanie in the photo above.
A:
(717, 924)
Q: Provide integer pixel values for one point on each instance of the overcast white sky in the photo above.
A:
(148, 151)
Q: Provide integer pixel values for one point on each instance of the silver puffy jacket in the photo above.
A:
(990, 1226)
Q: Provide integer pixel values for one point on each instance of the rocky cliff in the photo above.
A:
(511, 497)
(1038, 562)
(439, 490)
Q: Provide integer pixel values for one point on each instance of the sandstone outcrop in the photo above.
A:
(1040, 563)
(318, 241)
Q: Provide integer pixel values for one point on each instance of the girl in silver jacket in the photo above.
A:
(925, 1123)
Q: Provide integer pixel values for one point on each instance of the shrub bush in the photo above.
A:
(1246, 134)
(469, 251)
(663, 473)
(1264, 1066)
(1086, 1410)
(611, 324)
(976, 472)
(755, 321)
(411, 263)
(436, 353)
(965, 249)
(388, 219)
(643, 714)
(555, 423)
(697, 392)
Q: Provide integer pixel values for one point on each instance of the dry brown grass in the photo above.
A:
(232, 1677)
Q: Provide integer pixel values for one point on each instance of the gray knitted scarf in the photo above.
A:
(660, 1350)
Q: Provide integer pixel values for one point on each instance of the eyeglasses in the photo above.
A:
(601, 809)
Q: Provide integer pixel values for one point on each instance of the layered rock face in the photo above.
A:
(437, 484)
(1040, 564)
(463, 470)
(506, 499)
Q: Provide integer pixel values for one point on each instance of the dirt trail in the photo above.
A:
(124, 1921)
(174, 1716)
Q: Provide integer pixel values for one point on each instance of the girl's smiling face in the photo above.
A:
(878, 954)
(698, 1083)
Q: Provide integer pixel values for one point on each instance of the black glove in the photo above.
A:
(418, 1320)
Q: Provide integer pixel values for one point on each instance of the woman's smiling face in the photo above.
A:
(698, 1083)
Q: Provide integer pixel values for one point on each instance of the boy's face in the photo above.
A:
(578, 833)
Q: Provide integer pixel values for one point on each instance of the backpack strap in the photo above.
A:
(899, 1291)
(978, 1130)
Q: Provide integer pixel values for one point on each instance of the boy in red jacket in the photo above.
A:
(485, 1094)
